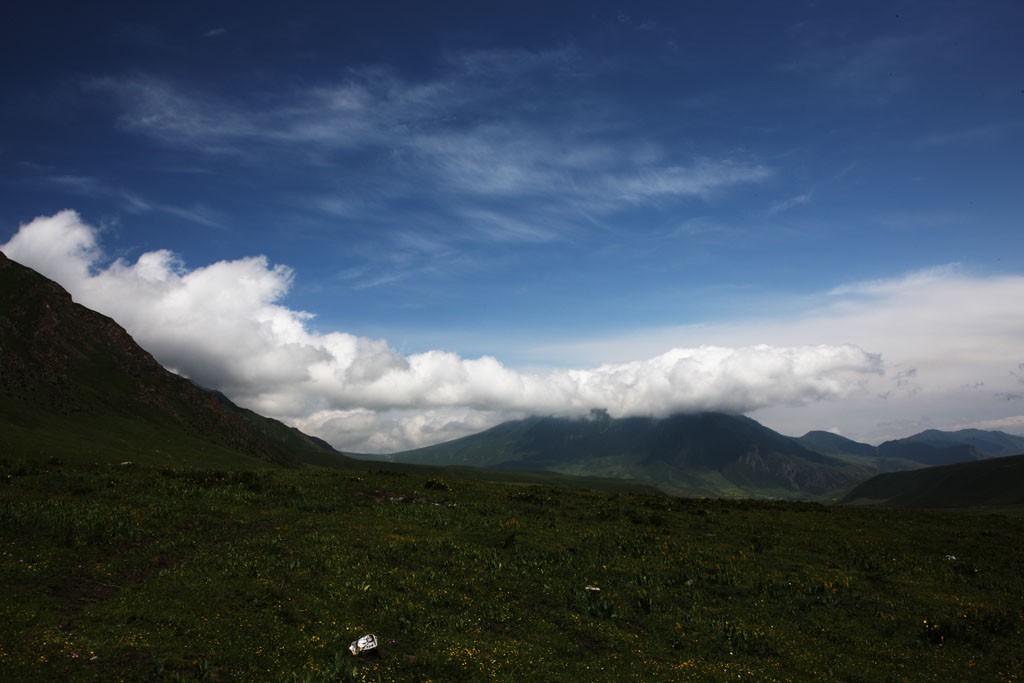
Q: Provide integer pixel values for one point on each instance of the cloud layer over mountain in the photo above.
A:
(224, 325)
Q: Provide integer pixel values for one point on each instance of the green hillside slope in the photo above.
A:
(76, 386)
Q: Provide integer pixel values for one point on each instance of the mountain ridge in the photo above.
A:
(75, 383)
(705, 453)
(829, 443)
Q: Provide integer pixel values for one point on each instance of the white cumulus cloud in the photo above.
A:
(951, 340)
(224, 326)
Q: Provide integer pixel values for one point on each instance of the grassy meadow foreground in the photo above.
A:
(145, 573)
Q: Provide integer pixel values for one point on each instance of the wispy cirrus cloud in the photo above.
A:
(494, 226)
(970, 135)
(699, 179)
(474, 129)
(473, 153)
(784, 205)
(160, 110)
(132, 202)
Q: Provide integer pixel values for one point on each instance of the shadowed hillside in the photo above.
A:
(991, 482)
(75, 385)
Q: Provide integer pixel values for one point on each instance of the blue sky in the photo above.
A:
(578, 189)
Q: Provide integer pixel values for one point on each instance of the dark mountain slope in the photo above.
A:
(989, 482)
(854, 452)
(829, 443)
(928, 454)
(709, 453)
(74, 384)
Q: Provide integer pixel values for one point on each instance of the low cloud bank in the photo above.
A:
(951, 340)
(223, 326)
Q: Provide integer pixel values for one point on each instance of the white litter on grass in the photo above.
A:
(367, 642)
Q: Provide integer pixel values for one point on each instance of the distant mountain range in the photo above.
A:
(931, 447)
(705, 454)
(934, 447)
(74, 385)
(701, 454)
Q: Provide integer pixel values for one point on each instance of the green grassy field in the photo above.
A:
(144, 573)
